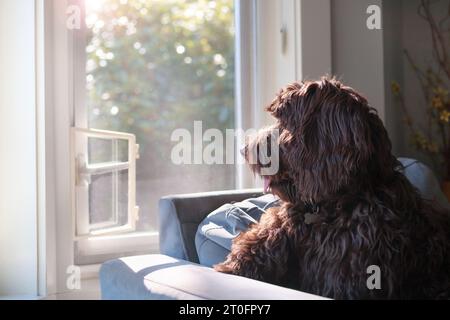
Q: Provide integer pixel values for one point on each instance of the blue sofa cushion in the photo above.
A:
(216, 232)
(159, 277)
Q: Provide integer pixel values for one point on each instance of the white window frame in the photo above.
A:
(83, 173)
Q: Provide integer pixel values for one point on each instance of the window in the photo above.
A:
(144, 68)
(105, 182)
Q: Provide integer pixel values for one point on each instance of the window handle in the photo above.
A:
(138, 155)
(283, 32)
(85, 171)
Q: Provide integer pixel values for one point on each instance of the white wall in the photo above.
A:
(18, 208)
(314, 39)
(357, 52)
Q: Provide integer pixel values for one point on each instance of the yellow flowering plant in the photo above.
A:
(434, 138)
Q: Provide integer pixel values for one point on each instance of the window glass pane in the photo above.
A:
(154, 66)
(108, 200)
(107, 150)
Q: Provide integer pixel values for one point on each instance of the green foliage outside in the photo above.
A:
(157, 65)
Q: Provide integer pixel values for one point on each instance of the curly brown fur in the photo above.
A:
(336, 165)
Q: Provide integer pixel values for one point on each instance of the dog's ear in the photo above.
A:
(281, 106)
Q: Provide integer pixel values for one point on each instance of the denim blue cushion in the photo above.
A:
(220, 227)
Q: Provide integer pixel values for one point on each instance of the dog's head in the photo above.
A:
(330, 142)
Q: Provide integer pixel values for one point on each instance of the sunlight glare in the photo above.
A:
(94, 5)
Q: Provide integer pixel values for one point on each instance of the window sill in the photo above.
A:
(90, 290)
(95, 250)
(131, 242)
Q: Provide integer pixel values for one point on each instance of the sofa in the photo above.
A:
(175, 272)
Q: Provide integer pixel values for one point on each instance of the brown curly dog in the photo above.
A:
(345, 206)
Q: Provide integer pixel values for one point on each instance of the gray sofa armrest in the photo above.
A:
(180, 215)
(158, 277)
